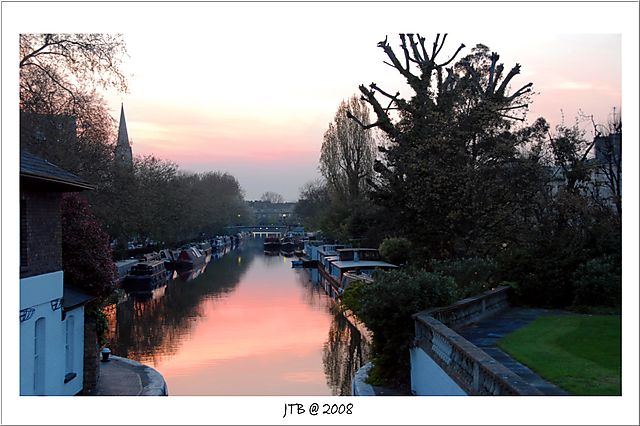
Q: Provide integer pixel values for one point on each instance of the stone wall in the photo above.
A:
(472, 309)
(470, 368)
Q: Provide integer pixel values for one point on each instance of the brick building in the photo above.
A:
(51, 315)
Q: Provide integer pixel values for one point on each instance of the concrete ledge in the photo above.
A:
(472, 309)
(359, 387)
(153, 383)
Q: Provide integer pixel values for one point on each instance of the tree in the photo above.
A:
(386, 306)
(86, 254)
(56, 68)
(451, 177)
(59, 75)
(348, 151)
(608, 159)
(313, 204)
(272, 197)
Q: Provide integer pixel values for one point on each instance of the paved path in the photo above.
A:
(486, 333)
(125, 377)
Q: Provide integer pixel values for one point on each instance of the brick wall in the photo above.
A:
(41, 232)
(91, 357)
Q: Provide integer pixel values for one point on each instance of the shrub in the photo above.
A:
(386, 306)
(86, 253)
(472, 275)
(395, 250)
(598, 282)
(542, 273)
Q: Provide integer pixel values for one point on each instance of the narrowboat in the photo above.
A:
(351, 264)
(169, 258)
(145, 276)
(271, 244)
(190, 258)
(287, 244)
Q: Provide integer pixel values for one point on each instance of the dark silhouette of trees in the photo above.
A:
(348, 152)
(451, 177)
(272, 197)
(86, 254)
(58, 70)
(313, 204)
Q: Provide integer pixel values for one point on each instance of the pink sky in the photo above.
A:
(250, 88)
(279, 63)
(260, 113)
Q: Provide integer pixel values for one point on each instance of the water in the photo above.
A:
(248, 324)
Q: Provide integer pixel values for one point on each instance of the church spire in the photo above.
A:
(123, 148)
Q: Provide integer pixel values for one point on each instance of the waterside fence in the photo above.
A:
(445, 363)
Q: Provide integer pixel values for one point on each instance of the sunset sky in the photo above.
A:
(259, 110)
(222, 87)
(250, 88)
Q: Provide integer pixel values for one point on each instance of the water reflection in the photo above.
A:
(248, 324)
(344, 352)
(348, 344)
(148, 329)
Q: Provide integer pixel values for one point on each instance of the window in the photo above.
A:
(39, 357)
(69, 348)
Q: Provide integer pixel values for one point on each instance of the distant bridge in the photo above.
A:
(265, 231)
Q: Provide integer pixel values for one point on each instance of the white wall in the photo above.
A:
(427, 378)
(75, 385)
(37, 293)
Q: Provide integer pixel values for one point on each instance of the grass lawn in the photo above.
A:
(581, 354)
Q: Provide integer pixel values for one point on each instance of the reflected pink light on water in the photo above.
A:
(263, 333)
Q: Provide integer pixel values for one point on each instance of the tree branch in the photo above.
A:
(524, 89)
(462, 46)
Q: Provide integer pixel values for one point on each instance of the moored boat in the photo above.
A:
(169, 258)
(287, 244)
(190, 258)
(351, 264)
(145, 276)
(271, 244)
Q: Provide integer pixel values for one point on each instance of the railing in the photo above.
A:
(471, 368)
(472, 309)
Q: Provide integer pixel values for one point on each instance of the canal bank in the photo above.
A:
(125, 377)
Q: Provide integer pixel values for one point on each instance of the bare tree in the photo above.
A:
(348, 151)
(608, 159)
(272, 197)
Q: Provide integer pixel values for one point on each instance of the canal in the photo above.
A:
(248, 324)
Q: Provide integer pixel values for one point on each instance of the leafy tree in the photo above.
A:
(451, 177)
(395, 250)
(313, 204)
(86, 254)
(598, 282)
(59, 75)
(56, 68)
(472, 275)
(386, 307)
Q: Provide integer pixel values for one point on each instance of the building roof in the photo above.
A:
(123, 151)
(73, 297)
(37, 168)
(361, 264)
